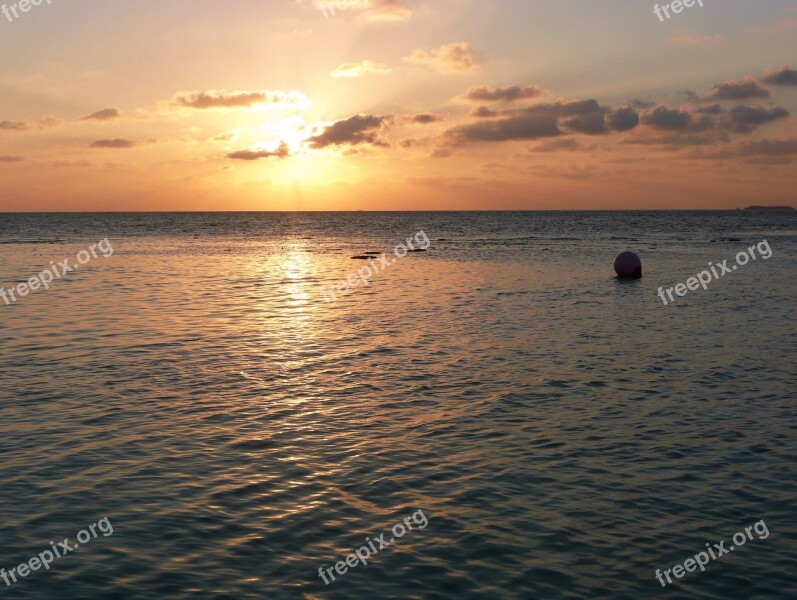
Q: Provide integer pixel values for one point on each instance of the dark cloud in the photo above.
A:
(424, 118)
(547, 119)
(673, 119)
(783, 76)
(106, 114)
(281, 152)
(502, 94)
(484, 113)
(709, 109)
(519, 127)
(743, 89)
(12, 159)
(624, 119)
(359, 129)
(588, 116)
(590, 123)
(744, 119)
(642, 104)
(117, 143)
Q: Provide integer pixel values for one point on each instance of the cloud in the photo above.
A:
(116, 144)
(783, 76)
(743, 89)
(222, 99)
(37, 124)
(281, 152)
(502, 94)
(388, 10)
(359, 129)
(673, 119)
(449, 58)
(568, 144)
(425, 118)
(72, 163)
(744, 119)
(685, 120)
(689, 39)
(106, 114)
(375, 10)
(764, 151)
(520, 127)
(12, 159)
(227, 136)
(674, 141)
(642, 104)
(359, 69)
(483, 112)
(547, 119)
(709, 109)
(624, 119)
(767, 147)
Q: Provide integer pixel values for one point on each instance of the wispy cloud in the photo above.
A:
(118, 143)
(456, 58)
(34, 125)
(106, 114)
(359, 69)
(226, 100)
(691, 39)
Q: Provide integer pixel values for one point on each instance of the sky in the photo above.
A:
(272, 105)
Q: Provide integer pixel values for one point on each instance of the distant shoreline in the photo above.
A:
(768, 208)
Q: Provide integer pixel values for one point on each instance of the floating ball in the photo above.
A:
(628, 266)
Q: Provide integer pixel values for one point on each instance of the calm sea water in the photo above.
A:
(565, 433)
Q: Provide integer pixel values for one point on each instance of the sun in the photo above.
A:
(292, 131)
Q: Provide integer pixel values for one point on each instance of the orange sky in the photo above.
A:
(396, 105)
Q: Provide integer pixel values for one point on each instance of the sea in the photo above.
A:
(562, 432)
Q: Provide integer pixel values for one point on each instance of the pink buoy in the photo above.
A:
(628, 266)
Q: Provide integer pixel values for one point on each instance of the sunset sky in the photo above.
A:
(396, 105)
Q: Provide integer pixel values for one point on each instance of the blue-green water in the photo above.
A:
(565, 433)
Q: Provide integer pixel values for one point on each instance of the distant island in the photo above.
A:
(769, 208)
